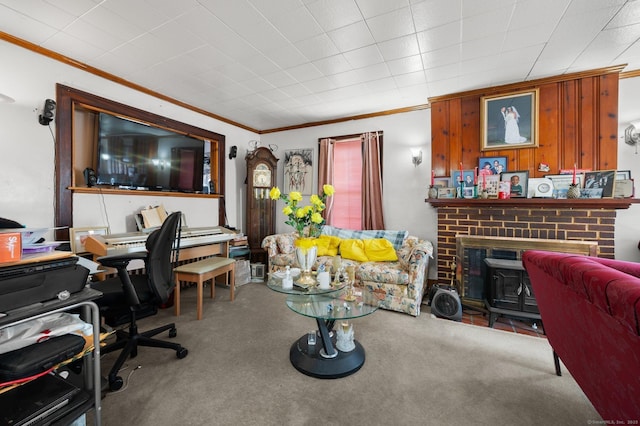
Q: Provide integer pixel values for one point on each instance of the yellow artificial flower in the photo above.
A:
(274, 194)
(306, 220)
(317, 218)
(328, 190)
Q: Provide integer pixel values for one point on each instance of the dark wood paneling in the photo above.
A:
(577, 124)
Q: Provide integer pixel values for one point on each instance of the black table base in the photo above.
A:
(323, 360)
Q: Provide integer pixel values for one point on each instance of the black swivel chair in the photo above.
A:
(130, 297)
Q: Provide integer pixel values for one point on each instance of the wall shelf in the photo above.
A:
(551, 203)
(116, 191)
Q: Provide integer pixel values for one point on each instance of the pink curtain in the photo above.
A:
(372, 215)
(325, 171)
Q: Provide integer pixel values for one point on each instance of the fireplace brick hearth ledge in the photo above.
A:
(555, 219)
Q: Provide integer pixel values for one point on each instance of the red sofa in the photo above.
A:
(590, 309)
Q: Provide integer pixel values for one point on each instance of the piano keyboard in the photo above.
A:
(103, 245)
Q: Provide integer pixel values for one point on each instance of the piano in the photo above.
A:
(194, 243)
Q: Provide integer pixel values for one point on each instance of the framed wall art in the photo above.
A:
(605, 179)
(490, 183)
(298, 171)
(518, 181)
(492, 165)
(78, 236)
(623, 174)
(442, 181)
(467, 178)
(509, 121)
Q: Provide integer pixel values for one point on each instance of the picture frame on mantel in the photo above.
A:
(509, 121)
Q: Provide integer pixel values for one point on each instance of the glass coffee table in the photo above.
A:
(315, 353)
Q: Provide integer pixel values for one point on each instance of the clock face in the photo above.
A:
(261, 176)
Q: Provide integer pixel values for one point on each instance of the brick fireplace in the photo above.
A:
(544, 219)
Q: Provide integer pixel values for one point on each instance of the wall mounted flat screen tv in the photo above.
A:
(135, 155)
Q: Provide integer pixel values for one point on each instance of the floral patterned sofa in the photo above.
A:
(399, 284)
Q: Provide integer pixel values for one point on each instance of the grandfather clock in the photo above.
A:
(262, 168)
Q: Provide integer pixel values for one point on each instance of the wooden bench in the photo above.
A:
(201, 271)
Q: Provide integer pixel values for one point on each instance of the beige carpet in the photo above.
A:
(418, 371)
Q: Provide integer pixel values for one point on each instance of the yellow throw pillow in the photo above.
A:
(327, 245)
(379, 250)
(353, 250)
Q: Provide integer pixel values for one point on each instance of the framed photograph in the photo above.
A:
(298, 171)
(623, 174)
(509, 121)
(561, 183)
(518, 181)
(446, 192)
(605, 179)
(467, 178)
(490, 183)
(591, 193)
(491, 165)
(78, 236)
(443, 181)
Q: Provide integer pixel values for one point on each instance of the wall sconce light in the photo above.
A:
(416, 157)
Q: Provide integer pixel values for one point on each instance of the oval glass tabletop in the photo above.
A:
(332, 306)
(275, 283)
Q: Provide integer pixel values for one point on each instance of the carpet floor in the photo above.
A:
(418, 371)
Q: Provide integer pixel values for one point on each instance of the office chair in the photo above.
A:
(130, 297)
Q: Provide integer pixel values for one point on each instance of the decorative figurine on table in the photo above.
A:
(351, 278)
(344, 337)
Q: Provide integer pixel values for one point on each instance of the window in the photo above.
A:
(347, 179)
(353, 165)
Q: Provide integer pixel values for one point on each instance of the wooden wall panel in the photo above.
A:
(577, 124)
(440, 152)
(607, 116)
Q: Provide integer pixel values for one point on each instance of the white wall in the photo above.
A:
(628, 221)
(27, 182)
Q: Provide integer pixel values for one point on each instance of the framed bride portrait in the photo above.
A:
(509, 121)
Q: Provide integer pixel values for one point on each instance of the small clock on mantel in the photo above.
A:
(262, 168)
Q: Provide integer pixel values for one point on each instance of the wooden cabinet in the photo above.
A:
(262, 167)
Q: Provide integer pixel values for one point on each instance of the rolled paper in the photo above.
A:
(433, 177)
(475, 176)
(574, 173)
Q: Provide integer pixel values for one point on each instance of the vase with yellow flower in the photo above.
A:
(307, 220)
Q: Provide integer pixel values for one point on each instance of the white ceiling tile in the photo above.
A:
(264, 37)
(434, 13)
(399, 47)
(279, 78)
(352, 36)
(297, 24)
(405, 65)
(42, 11)
(486, 24)
(258, 84)
(285, 56)
(486, 46)
(24, 27)
(440, 37)
(332, 14)
(321, 84)
(391, 25)
(333, 64)
(272, 9)
(295, 90)
(370, 8)
(364, 56)
(440, 57)
(173, 40)
(628, 15)
(383, 84)
(304, 72)
(87, 32)
(317, 47)
(410, 79)
(72, 47)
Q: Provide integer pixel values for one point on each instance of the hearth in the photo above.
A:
(471, 252)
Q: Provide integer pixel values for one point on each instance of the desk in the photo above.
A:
(84, 300)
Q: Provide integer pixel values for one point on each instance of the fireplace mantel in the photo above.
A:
(528, 203)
